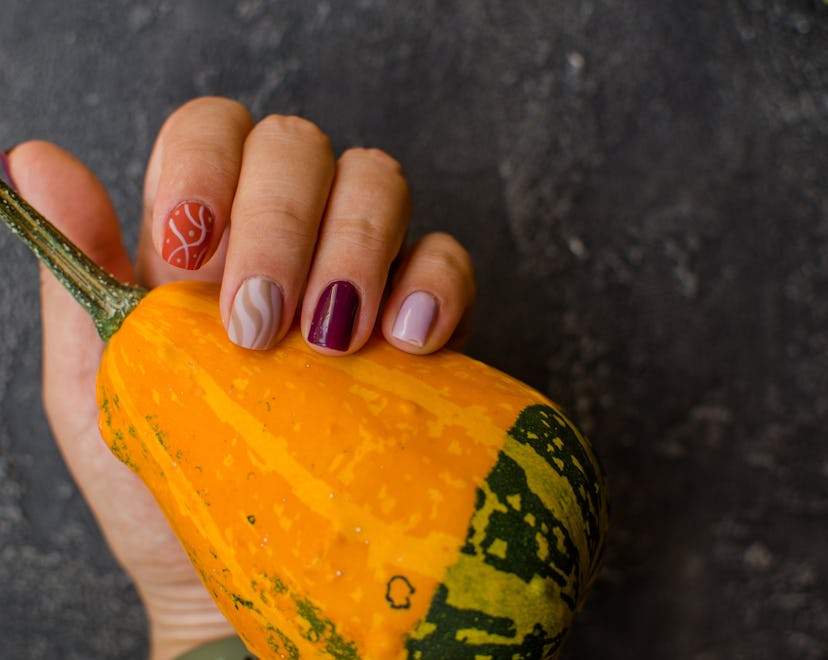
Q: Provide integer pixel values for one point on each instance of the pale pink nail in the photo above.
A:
(415, 318)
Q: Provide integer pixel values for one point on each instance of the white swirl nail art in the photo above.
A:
(256, 314)
(187, 235)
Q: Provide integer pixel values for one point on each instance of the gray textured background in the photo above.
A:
(643, 186)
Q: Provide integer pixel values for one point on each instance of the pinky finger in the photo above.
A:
(432, 297)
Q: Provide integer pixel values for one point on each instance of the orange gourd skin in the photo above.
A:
(336, 507)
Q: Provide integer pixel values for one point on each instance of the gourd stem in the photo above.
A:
(106, 300)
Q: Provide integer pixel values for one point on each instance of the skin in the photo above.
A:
(285, 208)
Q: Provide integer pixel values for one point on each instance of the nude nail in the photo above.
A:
(187, 234)
(256, 314)
(415, 318)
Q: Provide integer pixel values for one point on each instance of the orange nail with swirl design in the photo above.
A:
(188, 231)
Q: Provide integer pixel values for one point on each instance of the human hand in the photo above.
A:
(300, 221)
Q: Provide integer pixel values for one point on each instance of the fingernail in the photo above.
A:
(415, 318)
(333, 319)
(256, 314)
(5, 172)
(187, 234)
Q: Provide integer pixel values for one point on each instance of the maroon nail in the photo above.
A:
(5, 172)
(333, 319)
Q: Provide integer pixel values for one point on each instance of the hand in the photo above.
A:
(301, 220)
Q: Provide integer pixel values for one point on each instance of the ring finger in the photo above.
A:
(361, 234)
(189, 188)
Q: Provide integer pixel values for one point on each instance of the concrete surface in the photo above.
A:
(643, 186)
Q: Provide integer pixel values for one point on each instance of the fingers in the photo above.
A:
(309, 236)
(430, 304)
(281, 197)
(189, 190)
(361, 234)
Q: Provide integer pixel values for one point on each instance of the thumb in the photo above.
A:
(67, 193)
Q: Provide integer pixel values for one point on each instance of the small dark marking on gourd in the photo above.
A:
(159, 433)
(321, 628)
(284, 646)
(398, 592)
(251, 519)
(238, 602)
(107, 413)
(278, 585)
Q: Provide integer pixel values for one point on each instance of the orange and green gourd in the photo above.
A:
(379, 505)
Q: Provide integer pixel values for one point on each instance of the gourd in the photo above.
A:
(378, 505)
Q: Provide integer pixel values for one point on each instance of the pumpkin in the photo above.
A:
(379, 505)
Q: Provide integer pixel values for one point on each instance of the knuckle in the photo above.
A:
(284, 215)
(296, 235)
(214, 159)
(293, 126)
(216, 104)
(361, 233)
(444, 253)
(379, 173)
(210, 110)
(374, 156)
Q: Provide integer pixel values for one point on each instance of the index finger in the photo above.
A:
(188, 193)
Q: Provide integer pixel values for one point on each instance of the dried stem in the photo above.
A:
(106, 300)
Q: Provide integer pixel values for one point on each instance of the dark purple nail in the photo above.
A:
(5, 170)
(333, 320)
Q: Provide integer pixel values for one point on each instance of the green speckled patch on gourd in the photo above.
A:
(515, 586)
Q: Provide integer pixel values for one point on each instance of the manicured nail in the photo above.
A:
(256, 314)
(333, 319)
(5, 172)
(187, 234)
(415, 318)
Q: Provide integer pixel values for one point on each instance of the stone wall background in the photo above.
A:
(643, 186)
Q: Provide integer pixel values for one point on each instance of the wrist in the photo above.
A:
(182, 618)
(228, 648)
(177, 646)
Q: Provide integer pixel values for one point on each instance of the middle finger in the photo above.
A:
(286, 175)
(361, 234)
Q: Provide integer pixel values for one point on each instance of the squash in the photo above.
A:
(374, 505)
(379, 505)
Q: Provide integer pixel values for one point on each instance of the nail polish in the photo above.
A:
(187, 234)
(5, 170)
(256, 314)
(333, 319)
(415, 318)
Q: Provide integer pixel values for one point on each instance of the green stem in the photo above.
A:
(106, 300)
